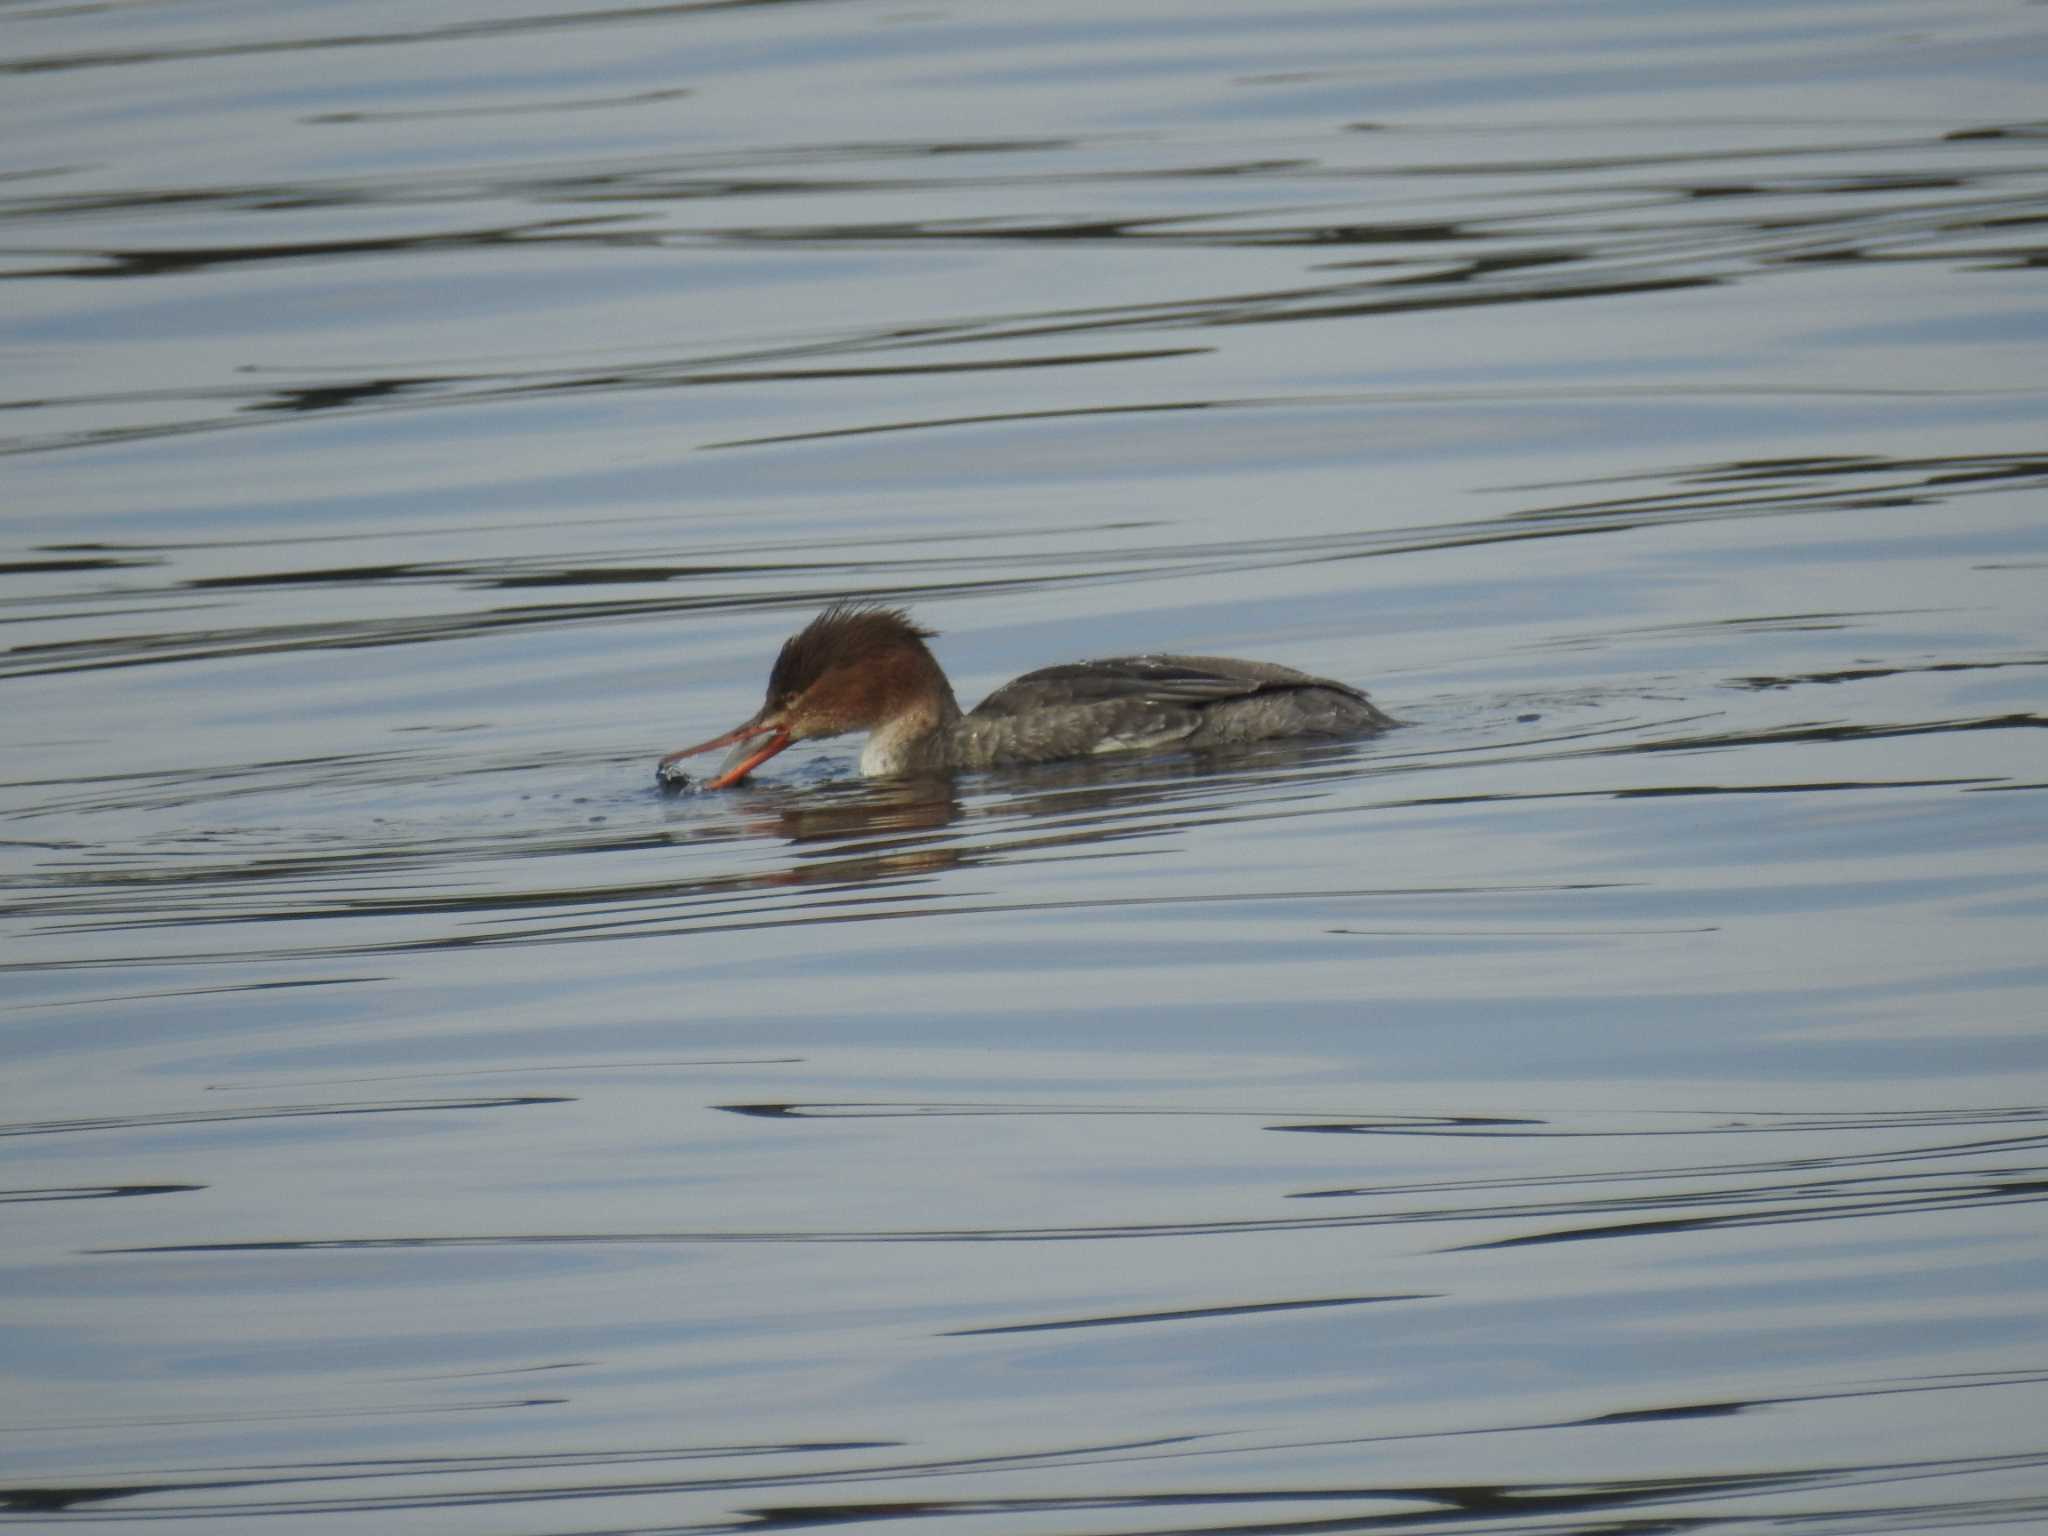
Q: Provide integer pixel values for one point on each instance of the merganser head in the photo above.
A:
(852, 668)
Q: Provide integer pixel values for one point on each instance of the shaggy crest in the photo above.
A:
(846, 634)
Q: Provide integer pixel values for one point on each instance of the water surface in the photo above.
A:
(1616, 1100)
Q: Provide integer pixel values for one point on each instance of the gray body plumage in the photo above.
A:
(1131, 704)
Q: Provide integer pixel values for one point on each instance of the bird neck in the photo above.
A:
(918, 734)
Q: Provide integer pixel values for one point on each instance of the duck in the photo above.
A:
(865, 666)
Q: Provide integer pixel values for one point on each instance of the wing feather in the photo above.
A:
(1167, 682)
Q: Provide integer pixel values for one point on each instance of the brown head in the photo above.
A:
(852, 668)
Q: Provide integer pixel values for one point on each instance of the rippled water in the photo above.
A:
(1616, 1101)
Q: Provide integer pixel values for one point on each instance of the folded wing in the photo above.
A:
(1131, 703)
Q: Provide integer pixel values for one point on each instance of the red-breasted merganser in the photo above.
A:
(864, 667)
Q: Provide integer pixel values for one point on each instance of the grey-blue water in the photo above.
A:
(1616, 1101)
